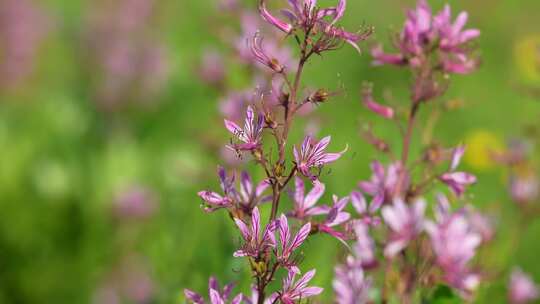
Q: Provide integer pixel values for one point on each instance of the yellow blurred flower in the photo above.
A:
(527, 58)
(480, 146)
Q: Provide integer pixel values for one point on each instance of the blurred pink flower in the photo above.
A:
(522, 288)
(405, 223)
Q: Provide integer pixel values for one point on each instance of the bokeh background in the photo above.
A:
(107, 133)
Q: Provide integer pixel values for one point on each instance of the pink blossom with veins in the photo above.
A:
(247, 198)
(251, 134)
(522, 289)
(216, 295)
(288, 244)
(312, 154)
(293, 291)
(304, 205)
(256, 245)
(335, 217)
(405, 223)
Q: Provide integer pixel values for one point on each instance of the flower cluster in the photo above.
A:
(432, 44)
(392, 246)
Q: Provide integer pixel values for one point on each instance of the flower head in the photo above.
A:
(251, 134)
(288, 244)
(405, 223)
(296, 290)
(312, 154)
(335, 217)
(457, 181)
(454, 242)
(350, 283)
(304, 15)
(246, 199)
(367, 214)
(216, 295)
(304, 205)
(255, 244)
(425, 35)
(384, 183)
(522, 288)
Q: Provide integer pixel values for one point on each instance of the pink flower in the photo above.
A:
(304, 205)
(293, 291)
(457, 181)
(454, 242)
(260, 54)
(246, 199)
(256, 245)
(279, 24)
(384, 183)
(135, 203)
(312, 155)
(367, 214)
(374, 106)
(364, 248)
(336, 216)
(350, 284)
(216, 295)
(305, 16)
(251, 134)
(288, 244)
(405, 223)
(522, 288)
(424, 34)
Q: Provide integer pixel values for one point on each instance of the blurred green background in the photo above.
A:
(77, 139)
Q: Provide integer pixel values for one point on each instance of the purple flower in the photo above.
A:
(312, 155)
(457, 181)
(454, 243)
(336, 216)
(246, 199)
(251, 134)
(522, 288)
(384, 183)
(367, 214)
(216, 200)
(304, 205)
(405, 223)
(350, 284)
(288, 244)
(216, 295)
(255, 244)
(293, 291)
